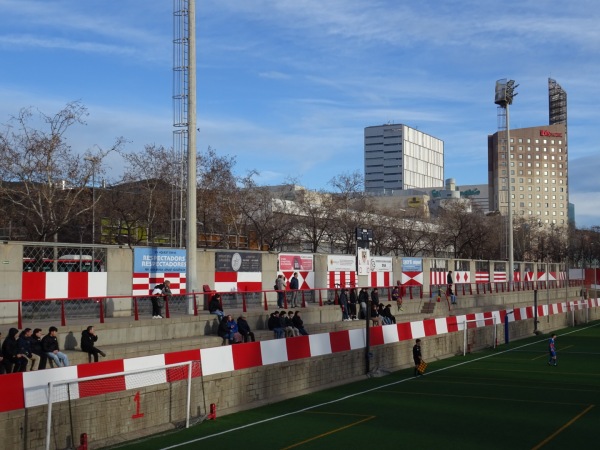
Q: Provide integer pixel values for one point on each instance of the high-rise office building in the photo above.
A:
(538, 167)
(398, 157)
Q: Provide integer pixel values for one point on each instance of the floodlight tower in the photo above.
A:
(184, 135)
(505, 92)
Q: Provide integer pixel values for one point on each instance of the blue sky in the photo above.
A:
(288, 86)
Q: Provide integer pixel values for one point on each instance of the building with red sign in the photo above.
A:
(538, 167)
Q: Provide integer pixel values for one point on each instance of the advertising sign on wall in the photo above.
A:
(295, 261)
(363, 261)
(412, 265)
(238, 271)
(154, 259)
(381, 263)
(238, 262)
(154, 265)
(341, 263)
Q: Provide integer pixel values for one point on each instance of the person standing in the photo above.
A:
(352, 301)
(88, 340)
(396, 296)
(344, 304)
(294, 285)
(157, 301)
(280, 287)
(552, 361)
(50, 346)
(363, 299)
(375, 296)
(417, 357)
(449, 279)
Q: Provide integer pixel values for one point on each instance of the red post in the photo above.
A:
(502, 286)
(477, 288)
(266, 305)
(19, 316)
(83, 442)
(320, 298)
(244, 302)
(212, 415)
(411, 294)
(470, 289)
(284, 300)
(101, 301)
(63, 318)
(195, 305)
(135, 309)
(335, 298)
(463, 288)
(167, 315)
(421, 291)
(303, 300)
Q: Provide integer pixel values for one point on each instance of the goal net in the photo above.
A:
(479, 334)
(108, 408)
(578, 312)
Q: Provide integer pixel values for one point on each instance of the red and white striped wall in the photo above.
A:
(238, 281)
(54, 285)
(24, 390)
(143, 283)
(381, 278)
(341, 279)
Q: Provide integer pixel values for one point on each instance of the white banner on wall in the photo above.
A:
(381, 264)
(341, 263)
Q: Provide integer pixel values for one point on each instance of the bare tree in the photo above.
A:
(269, 216)
(43, 182)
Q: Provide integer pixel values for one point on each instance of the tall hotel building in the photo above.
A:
(398, 157)
(538, 167)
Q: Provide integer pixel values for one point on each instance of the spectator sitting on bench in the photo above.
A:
(244, 329)
(214, 306)
(275, 325)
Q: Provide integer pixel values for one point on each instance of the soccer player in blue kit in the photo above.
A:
(552, 350)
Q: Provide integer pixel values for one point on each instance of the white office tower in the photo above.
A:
(398, 157)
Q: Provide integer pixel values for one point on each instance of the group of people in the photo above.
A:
(235, 332)
(28, 350)
(354, 305)
(288, 324)
(280, 284)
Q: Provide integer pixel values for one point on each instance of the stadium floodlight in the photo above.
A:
(505, 92)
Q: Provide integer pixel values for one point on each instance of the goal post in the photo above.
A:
(581, 306)
(92, 412)
(481, 330)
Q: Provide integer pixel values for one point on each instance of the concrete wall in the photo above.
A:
(163, 405)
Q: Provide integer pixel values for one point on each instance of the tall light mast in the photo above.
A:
(184, 135)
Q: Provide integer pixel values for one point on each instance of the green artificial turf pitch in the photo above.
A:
(504, 398)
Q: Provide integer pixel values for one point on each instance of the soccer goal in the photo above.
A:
(107, 407)
(579, 312)
(479, 333)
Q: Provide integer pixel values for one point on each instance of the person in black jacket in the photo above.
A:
(35, 345)
(50, 347)
(14, 361)
(299, 323)
(24, 343)
(214, 306)
(275, 325)
(244, 329)
(224, 332)
(88, 339)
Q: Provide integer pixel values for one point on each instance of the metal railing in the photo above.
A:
(98, 309)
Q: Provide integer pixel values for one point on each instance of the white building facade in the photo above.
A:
(398, 157)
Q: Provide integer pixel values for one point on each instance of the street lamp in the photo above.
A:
(93, 161)
(505, 92)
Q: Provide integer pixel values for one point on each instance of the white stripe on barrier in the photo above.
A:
(320, 344)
